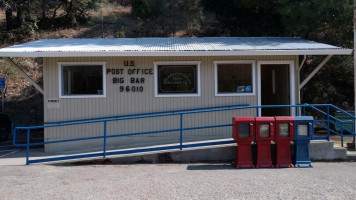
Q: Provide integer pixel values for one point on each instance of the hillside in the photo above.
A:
(103, 22)
(323, 21)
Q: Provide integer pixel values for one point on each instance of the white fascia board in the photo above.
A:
(176, 53)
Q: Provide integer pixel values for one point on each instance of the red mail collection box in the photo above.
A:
(265, 127)
(243, 134)
(284, 135)
(262, 131)
(243, 129)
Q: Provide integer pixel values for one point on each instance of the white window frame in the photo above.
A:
(61, 64)
(197, 63)
(253, 66)
(291, 81)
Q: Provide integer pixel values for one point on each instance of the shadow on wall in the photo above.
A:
(28, 97)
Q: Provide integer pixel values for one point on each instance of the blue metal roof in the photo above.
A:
(206, 46)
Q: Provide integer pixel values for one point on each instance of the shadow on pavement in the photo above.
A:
(211, 167)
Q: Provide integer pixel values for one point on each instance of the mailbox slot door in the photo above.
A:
(304, 130)
(265, 127)
(243, 128)
(284, 128)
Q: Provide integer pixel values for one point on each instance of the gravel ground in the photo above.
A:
(177, 181)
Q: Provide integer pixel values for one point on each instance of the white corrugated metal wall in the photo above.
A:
(120, 103)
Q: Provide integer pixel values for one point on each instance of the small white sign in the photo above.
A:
(53, 103)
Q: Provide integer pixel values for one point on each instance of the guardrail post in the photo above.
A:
(328, 118)
(303, 114)
(28, 147)
(13, 132)
(342, 134)
(257, 112)
(296, 111)
(181, 132)
(104, 150)
(353, 131)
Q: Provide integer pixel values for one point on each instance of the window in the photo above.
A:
(82, 80)
(234, 78)
(177, 79)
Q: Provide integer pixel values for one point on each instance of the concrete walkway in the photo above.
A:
(217, 153)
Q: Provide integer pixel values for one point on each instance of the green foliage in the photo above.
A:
(166, 17)
(247, 18)
(31, 14)
(77, 11)
(119, 30)
(29, 27)
(192, 14)
(333, 84)
(141, 10)
(329, 22)
(318, 19)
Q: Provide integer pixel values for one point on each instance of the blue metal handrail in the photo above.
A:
(328, 121)
(140, 114)
(181, 129)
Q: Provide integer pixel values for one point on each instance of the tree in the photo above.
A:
(192, 14)
(247, 18)
(329, 22)
(168, 16)
(141, 10)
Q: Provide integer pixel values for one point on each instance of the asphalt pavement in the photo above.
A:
(177, 181)
(6, 149)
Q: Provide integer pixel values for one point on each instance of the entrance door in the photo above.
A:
(275, 88)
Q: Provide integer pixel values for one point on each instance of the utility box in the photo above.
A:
(243, 132)
(284, 134)
(304, 131)
(265, 127)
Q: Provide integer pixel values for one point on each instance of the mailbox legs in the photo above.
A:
(264, 154)
(283, 155)
(244, 155)
(301, 154)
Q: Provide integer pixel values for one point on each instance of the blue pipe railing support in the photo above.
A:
(181, 132)
(104, 150)
(181, 129)
(328, 121)
(28, 148)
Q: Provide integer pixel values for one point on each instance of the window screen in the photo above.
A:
(264, 130)
(234, 78)
(177, 79)
(283, 130)
(303, 130)
(82, 80)
(244, 130)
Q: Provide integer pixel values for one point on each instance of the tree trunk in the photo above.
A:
(20, 15)
(44, 8)
(70, 14)
(9, 19)
(55, 11)
(354, 61)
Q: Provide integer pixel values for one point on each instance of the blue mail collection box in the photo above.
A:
(304, 131)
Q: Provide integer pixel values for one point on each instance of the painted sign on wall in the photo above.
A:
(130, 78)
